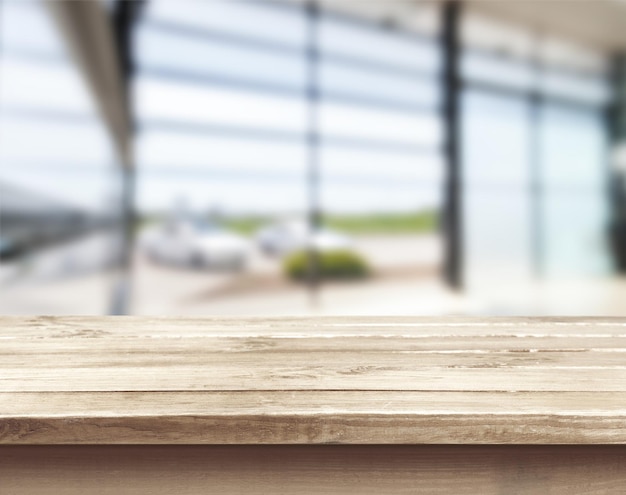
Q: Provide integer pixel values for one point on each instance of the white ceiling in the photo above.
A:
(596, 24)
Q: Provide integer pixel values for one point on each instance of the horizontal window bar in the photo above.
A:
(529, 94)
(214, 35)
(262, 134)
(214, 171)
(27, 113)
(283, 90)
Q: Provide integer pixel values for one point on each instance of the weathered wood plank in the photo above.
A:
(313, 417)
(141, 356)
(312, 470)
(369, 376)
(329, 343)
(312, 380)
(76, 404)
(92, 327)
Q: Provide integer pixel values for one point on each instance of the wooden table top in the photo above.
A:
(349, 380)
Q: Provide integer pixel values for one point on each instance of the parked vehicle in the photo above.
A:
(195, 243)
(286, 237)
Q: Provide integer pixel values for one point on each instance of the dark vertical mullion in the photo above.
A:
(616, 180)
(451, 52)
(536, 192)
(124, 15)
(313, 145)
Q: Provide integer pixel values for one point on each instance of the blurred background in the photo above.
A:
(277, 157)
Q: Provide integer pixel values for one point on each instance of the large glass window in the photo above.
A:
(219, 99)
(496, 200)
(534, 158)
(381, 163)
(59, 177)
(226, 121)
(251, 114)
(575, 206)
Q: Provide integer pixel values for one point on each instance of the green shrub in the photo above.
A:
(339, 264)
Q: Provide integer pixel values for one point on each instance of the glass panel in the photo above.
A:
(421, 129)
(496, 140)
(224, 120)
(496, 203)
(256, 20)
(380, 165)
(378, 86)
(185, 150)
(372, 43)
(26, 28)
(204, 104)
(59, 180)
(497, 69)
(573, 148)
(221, 103)
(575, 202)
(354, 197)
(207, 193)
(575, 230)
(497, 237)
(583, 88)
(31, 82)
(161, 49)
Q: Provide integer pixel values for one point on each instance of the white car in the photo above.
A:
(197, 244)
(286, 237)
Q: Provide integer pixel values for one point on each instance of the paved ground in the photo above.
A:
(410, 295)
(407, 282)
(65, 279)
(262, 288)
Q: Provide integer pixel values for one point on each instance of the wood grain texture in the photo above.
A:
(133, 380)
(311, 470)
